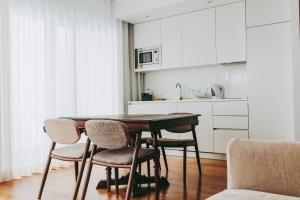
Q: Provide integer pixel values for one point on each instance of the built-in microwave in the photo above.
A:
(148, 57)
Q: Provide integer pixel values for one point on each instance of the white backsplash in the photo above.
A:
(232, 77)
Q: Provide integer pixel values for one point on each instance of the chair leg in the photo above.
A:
(88, 173)
(131, 182)
(117, 179)
(198, 160)
(46, 171)
(163, 152)
(79, 177)
(76, 170)
(197, 150)
(157, 175)
(108, 178)
(148, 164)
(184, 165)
(165, 158)
(140, 169)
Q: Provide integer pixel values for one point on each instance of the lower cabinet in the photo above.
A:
(219, 121)
(204, 130)
(154, 108)
(222, 138)
(231, 120)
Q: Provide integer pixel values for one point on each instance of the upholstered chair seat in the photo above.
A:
(73, 151)
(122, 156)
(167, 142)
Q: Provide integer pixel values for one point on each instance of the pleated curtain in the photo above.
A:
(57, 58)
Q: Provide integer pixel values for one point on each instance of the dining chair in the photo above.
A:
(179, 143)
(114, 137)
(67, 132)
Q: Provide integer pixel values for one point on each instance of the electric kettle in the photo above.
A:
(217, 91)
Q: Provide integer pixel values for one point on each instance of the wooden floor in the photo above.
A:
(60, 183)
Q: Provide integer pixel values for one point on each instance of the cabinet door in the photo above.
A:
(171, 35)
(147, 34)
(204, 130)
(198, 38)
(270, 82)
(222, 138)
(261, 12)
(154, 108)
(231, 33)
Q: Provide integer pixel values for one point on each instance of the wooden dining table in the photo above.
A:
(140, 123)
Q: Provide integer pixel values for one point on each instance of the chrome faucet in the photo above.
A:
(179, 85)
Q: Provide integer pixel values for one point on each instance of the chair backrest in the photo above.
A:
(180, 129)
(108, 134)
(264, 166)
(62, 131)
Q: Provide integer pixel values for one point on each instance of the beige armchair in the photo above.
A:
(262, 170)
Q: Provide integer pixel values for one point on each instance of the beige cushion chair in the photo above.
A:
(261, 170)
(67, 132)
(115, 138)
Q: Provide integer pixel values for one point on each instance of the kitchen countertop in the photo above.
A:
(189, 100)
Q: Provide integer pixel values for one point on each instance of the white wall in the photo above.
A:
(296, 66)
(233, 78)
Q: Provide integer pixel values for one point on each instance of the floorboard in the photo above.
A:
(60, 183)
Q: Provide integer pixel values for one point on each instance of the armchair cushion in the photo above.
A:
(249, 195)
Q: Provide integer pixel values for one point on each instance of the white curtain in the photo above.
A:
(57, 58)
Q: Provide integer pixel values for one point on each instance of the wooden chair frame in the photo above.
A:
(132, 167)
(78, 177)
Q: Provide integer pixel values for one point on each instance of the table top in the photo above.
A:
(136, 118)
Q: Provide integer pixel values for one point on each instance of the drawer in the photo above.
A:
(230, 122)
(152, 108)
(222, 137)
(230, 108)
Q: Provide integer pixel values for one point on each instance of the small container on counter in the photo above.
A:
(147, 95)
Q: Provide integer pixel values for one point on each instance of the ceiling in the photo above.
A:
(137, 11)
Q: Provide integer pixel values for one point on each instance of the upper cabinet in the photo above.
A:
(199, 38)
(171, 36)
(231, 33)
(209, 36)
(261, 12)
(147, 34)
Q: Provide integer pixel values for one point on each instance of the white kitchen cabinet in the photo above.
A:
(231, 122)
(171, 37)
(230, 108)
(198, 38)
(147, 34)
(154, 108)
(261, 12)
(270, 81)
(231, 33)
(204, 130)
(222, 138)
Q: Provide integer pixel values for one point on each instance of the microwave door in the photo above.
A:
(145, 58)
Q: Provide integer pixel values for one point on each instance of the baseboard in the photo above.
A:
(214, 156)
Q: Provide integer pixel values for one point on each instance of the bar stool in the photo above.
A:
(114, 137)
(68, 132)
